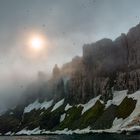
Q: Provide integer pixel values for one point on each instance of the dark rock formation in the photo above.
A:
(105, 65)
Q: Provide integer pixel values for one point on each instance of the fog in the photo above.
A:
(66, 24)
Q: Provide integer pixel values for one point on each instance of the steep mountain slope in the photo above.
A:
(119, 114)
(94, 92)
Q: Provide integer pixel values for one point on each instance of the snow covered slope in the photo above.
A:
(61, 118)
(36, 105)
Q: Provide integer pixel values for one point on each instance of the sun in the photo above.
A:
(36, 43)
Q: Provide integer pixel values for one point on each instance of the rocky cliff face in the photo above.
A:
(106, 65)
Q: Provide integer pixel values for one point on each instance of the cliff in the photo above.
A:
(96, 91)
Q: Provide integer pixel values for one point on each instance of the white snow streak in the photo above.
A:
(36, 105)
(58, 104)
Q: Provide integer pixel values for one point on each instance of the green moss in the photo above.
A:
(72, 115)
(90, 116)
(126, 108)
(105, 121)
(50, 120)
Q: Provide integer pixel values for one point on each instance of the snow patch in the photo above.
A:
(29, 132)
(58, 104)
(62, 117)
(46, 104)
(118, 97)
(8, 133)
(59, 132)
(69, 132)
(117, 121)
(11, 113)
(36, 105)
(90, 104)
(117, 124)
(83, 131)
(67, 107)
(131, 129)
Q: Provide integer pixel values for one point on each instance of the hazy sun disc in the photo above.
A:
(36, 43)
(37, 46)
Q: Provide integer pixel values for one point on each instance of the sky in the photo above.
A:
(66, 26)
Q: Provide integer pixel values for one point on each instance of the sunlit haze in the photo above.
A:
(36, 43)
(37, 34)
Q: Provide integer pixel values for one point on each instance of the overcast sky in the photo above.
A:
(66, 24)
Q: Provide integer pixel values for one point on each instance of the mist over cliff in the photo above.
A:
(67, 25)
(98, 91)
(105, 66)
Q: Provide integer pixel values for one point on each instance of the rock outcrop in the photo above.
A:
(105, 66)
